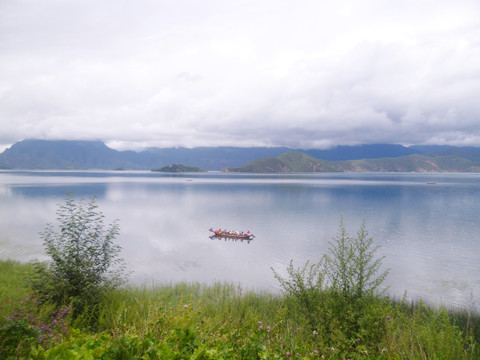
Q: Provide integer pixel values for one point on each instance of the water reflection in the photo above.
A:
(230, 239)
(429, 234)
(59, 190)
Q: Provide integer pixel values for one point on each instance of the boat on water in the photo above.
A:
(232, 234)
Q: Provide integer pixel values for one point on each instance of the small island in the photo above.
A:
(179, 168)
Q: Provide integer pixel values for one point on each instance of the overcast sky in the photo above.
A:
(304, 74)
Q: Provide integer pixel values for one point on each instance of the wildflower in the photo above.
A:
(268, 327)
(260, 327)
(333, 349)
(259, 323)
(315, 332)
(388, 317)
(185, 306)
(315, 352)
(288, 354)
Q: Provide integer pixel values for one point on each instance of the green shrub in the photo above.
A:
(352, 268)
(338, 296)
(84, 258)
(307, 296)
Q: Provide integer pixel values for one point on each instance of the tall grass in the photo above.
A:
(224, 318)
(215, 306)
(13, 284)
(221, 321)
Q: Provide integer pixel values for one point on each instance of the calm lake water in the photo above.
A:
(427, 226)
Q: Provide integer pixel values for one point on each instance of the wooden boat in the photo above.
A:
(232, 234)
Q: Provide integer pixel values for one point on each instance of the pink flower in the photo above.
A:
(185, 306)
(315, 352)
(315, 332)
(268, 327)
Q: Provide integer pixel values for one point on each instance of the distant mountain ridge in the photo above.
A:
(451, 160)
(70, 155)
(81, 155)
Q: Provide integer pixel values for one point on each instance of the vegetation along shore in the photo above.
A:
(77, 306)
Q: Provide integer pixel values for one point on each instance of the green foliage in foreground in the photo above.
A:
(191, 321)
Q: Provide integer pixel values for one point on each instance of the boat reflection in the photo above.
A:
(230, 238)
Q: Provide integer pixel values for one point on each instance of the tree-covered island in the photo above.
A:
(179, 168)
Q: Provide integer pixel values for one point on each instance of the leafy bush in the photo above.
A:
(307, 294)
(353, 266)
(84, 258)
(338, 295)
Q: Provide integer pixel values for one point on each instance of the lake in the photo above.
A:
(427, 225)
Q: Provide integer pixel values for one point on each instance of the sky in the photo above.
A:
(303, 74)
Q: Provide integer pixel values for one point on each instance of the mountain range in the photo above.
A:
(81, 155)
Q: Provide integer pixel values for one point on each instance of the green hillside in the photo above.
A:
(291, 162)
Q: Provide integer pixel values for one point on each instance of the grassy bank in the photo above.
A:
(191, 321)
(13, 287)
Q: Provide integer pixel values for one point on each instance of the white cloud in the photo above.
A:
(188, 73)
